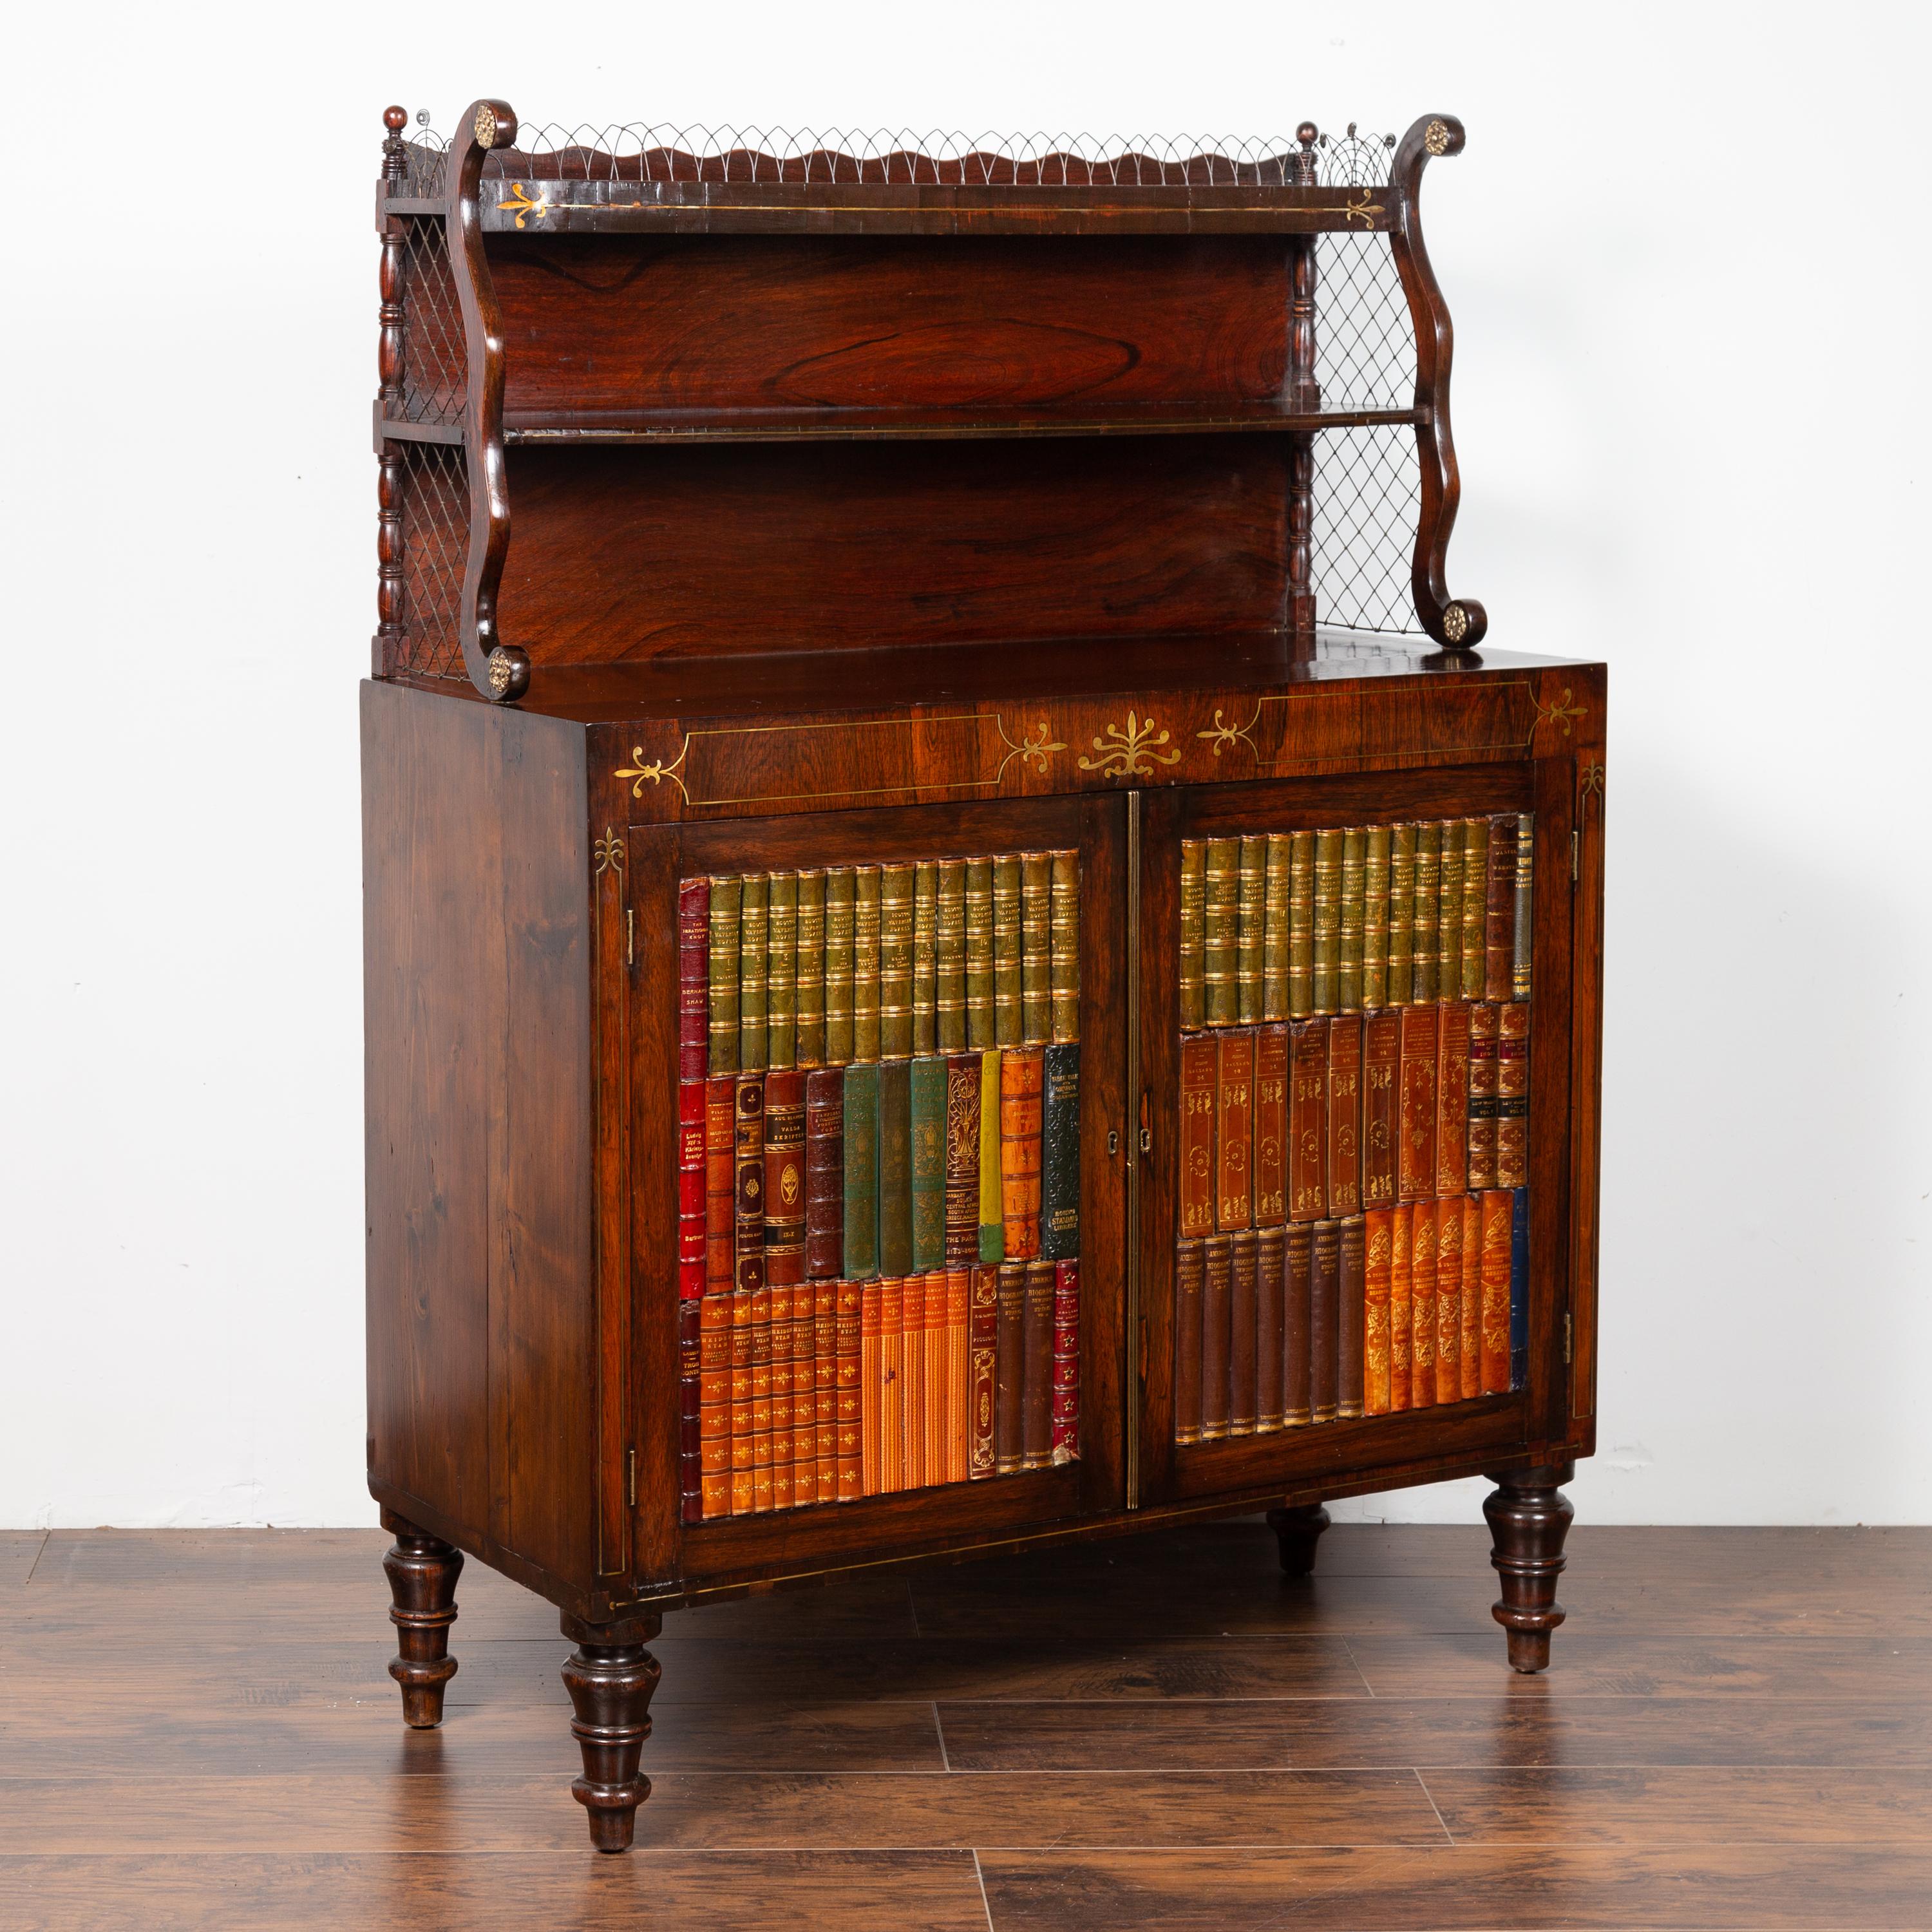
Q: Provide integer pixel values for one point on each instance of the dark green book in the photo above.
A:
(929, 1163)
(896, 1171)
(862, 1172)
(754, 938)
(1060, 1154)
(949, 959)
(924, 942)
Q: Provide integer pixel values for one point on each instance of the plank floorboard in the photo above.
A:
(20, 1549)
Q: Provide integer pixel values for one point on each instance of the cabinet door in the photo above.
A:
(1326, 1286)
(826, 1360)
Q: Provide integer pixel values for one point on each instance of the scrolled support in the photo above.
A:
(389, 613)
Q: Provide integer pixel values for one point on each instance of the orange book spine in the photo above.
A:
(892, 1386)
(804, 1396)
(1472, 1296)
(761, 1399)
(871, 1409)
(779, 1295)
(1497, 1204)
(938, 1389)
(848, 1302)
(742, 1441)
(1345, 1114)
(1415, 1172)
(959, 1374)
(1452, 1099)
(1021, 1076)
(1422, 1303)
(825, 1391)
(982, 1338)
(912, 1401)
(1449, 1299)
(714, 1405)
(1381, 1235)
(1401, 1312)
(1480, 1145)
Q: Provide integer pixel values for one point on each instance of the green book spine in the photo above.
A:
(1449, 914)
(927, 1106)
(925, 957)
(861, 1156)
(949, 951)
(1526, 852)
(1375, 917)
(992, 1215)
(895, 916)
(1300, 924)
(1193, 891)
(752, 962)
(1035, 946)
(782, 970)
(1354, 912)
(1219, 950)
(721, 1055)
(896, 1169)
(1402, 915)
(1066, 946)
(810, 969)
(1274, 928)
(1250, 880)
(1060, 1154)
(865, 962)
(839, 907)
(1328, 948)
(1475, 889)
(1006, 949)
(1428, 947)
(979, 954)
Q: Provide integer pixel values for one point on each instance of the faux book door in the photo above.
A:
(882, 1268)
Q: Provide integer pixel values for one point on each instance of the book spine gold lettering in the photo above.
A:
(1036, 947)
(1449, 1299)
(1270, 1125)
(929, 1154)
(1354, 915)
(1271, 1337)
(979, 1034)
(1274, 928)
(1301, 925)
(1415, 1175)
(1402, 1307)
(982, 1337)
(1066, 1361)
(1472, 1296)
(1498, 1203)
(1449, 917)
(840, 885)
(1296, 1294)
(850, 1477)
(1216, 1338)
(781, 969)
(1402, 914)
(1037, 1370)
(1378, 1237)
(1324, 1321)
(1008, 964)
(1199, 1078)
(1009, 1390)
(1251, 876)
(1022, 1081)
(694, 988)
(1499, 909)
(1326, 985)
(721, 971)
(809, 969)
(1452, 1097)
(1382, 1061)
(754, 944)
(1426, 952)
(895, 918)
(1308, 1120)
(949, 968)
(1481, 1145)
(1523, 934)
(1220, 917)
(1190, 1274)
(992, 1225)
(1242, 1336)
(925, 991)
(1193, 905)
(1375, 917)
(1066, 944)
(1345, 1114)
(865, 953)
(1422, 1305)
(1233, 1131)
(963, 1085)
(1513, 1094)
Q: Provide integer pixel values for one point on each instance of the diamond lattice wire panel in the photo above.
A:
(1364, 337)
(1368, 498)
(435, 360)
(435, 548)
(424, 158)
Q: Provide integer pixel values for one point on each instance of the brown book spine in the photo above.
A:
(1415, 1175)
(958, 1374)
(1297, 1295)
(962, 1160)
(1345, 1114)
(849, 1303)
(871, 1316)
(1449, 1299)
(1324, 1321)
(1452, 1098)
(1349, 1370)
(892, 1385)
(912, 1382)
(721, 1182)
(1513, 1095)
(761, 1398)
(714, 1404)
(785, 1177)
(983, 1350)
(1234, 1130)
(1216, 1338)
(1270, 1336)
(1308, 1120)
(1379, 1234)
(1066, 1361)
(693, 977)
(748, 1145)
(1199, 1078)
(1480, 1145)
(1499, 909)
(1270, 1126)
(1036, 1367)
(825, 1391)
(1381, 1122)
(825, 1173)
(1243, 1373)
(1522, 932)
(1010, 1376)
(1401, 1307)
(1190, 1280)
(1498, 1203)
(779, 1302)
(938, 1418)
(1021, 1075)
(1472, 1296)
(1422, 1305)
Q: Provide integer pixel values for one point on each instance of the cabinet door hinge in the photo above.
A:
(630, 1476)
(1566, 1341)
(1576, 846)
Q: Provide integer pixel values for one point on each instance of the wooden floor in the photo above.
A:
(196, 1730)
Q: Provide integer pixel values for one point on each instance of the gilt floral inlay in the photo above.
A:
(486, 124)
(609, 852)
(1033, 748)
(1436, 137)
(1560, 712)
(1224, 734)
(657, 771)
(1134, 749)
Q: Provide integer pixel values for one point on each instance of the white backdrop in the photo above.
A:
(1684, 259)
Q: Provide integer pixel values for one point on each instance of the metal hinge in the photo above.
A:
(1566, 1340)
(1576, 845)
(630, 936)
(631, 1473)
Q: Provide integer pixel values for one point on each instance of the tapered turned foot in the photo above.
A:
(610, 1685)
(422, 1571)
(1529, 1516)
(1298, 1530)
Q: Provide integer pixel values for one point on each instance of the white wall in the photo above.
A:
(1683, 256)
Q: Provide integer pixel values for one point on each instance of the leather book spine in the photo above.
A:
(781, 969)
(1066, 1362)
(1059, 1152)
(949, 959)
(1010, 1374)
(1327, 957)
(1402, 1305)
(1308, 1120)
(1036, 1367)
(1217, 1337)
(983, 1368)
(1244, 1376)
(1354, 915)
(721, 976)
(912, 1382)
(1270, 1125)
(861, 1157)
(1324, 1321)
(924, 1002)
(714, 1404)
(743, 1301)
(850, 1304)
(825, 1173)
(808, 969)
(1401, 914)
(1250, 926)
(992, 1225)
(1426, 952)
(748, 1167)
(694, 978)
(1415, 1164)
(1271, 1261)
(825, 1391)
(1378, 1235)
(690, 1410)
(1519, 1288)
(1375, 917)
(866, 943)
(892, 1385)
(1513, 1095)
(1523, 931)
(895, 916)
(1449, 916)
(1382, 1068)
(895, 1169)
(1190, 1280)
(928, 1082)
(754, 952)
(1297, 1299)
(979, 954)
(1349, 1369)
(779, 1349)
(962, 1160)
(1422, 1305)
(1475, 905)
(1234, 1131)
(1301, 925)
(1066, 945)
(691, 1209)
(761, 1399)
(1193, 908)
(1499, 1204)
(959, 1373)
(1009, 967)
(1220, 947)
(785, 1177)
(871, 1316)
(1499, 909)
(937, 1419)
(841, 908)
(1199, 1077)
(1021, 1078)
(1036, 947)
(1274, 928)
(1480, 1143)
(1449, 1299)
(1472, 1296)
(1452, 1097)
(1345, 1114)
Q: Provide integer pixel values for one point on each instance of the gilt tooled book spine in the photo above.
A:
(1234, 1130)
(1324, 986)
(1422, 1305)
(1519, 1289)
(1270, 1336)
(871, 1317)
(754, 952)
(1036, 1368)
(714, 1404)
(992, 1223)
(1499, 908)
(962, 1160)
(1010, 1374)
(1308, 1120)
(1378, 1237)
(1415, 1157)
(1242, 1371)
(1449, 1299)
(1345, 1114)
(892, 1385)
(1009, 965)
(949, 959)
(895, 916)
(781, 969)
(1274, 928)
(1066, 944)
(1480, 1145)
(761, 1400)
(1199, 1077)
(1497, 1205)
(749, 1166)
(721, 974)
(979, 1034)
(1402, 1307)
(809, 969)
(1220, 950)
(1375, 917)
(959, 1373)
(1190, 1280)
(1270, 1125)
(861, 1157)
(690, 1412)
(1350, 1370)
(778, 1314)
(1449, 916)
(1301, 925)
(1193, 906)
(895, 1170)
(785, 1177)
(850, 1470)
(1426, 951)
(938, 1418)
(690, 1202)
(1513, 1095)
(841, 911)
(912, 1382)
(1382, 1121)
(925, 994)
(1475, 904)
(825, 1391)
(1066, 1362)
(694, 978)
(928, 1083)
(743, 1302)
(825, 1173)
(1036, 947)
(1021, 1075)
(1354, 914)
(1324, 1321)
(1472, 1296)
(1060, 1153)
(1402, 914)
(1452, 1097)
(1250, 921)
(983, 1365)
(1523, 932)
(1217, 1337)
(866, 944)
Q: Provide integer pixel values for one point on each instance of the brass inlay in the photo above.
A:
(500, 671)
(486, 125)
(1134, 752)
(656, 772)
(1591, 785)
(1033, 746)
(1360, 207)
(1226, 734)
(608, 852)
(1436, 137)
(1560, 713)
(1455, 623)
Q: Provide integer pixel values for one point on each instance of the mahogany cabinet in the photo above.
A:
(757, 513)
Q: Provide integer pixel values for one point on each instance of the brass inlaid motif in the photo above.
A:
(1033, 748)
(1591, 781)
(1224, 734)
(656, 772)
(1135, 751)
(1455, 623)
(609, 852)
(518, 202)
(1360, 207)
(1560, 713)
(1436, 137)
(486, 124)
(500, 670)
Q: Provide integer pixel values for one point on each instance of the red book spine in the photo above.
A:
(1381, 1060)
(1422, 1305)
(1481, 1145)
(1233, 1131)
(694, 991)
(690, 1418)
(1036, 1366)
(1402, 1310)
(983, 1351)
(1452, 1098)
(1513, 1095)
(1010, 1383)
(825, 1173)
(1308, 1121)
(1324, 1321)
(936, 1387)
(871, 1420)
(1198, 1079)
(1270, 1126)
(804, 1397)
(1499, 909)
(1415, 1162)
(1066, 1361)
(762, 1491)
(1345, 1114)
(891, 1384)
(850, 1439)
(691, 1204)
(743, 1446)
(720, 1185)
(1498, 1203)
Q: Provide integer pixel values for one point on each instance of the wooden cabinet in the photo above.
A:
(760, 514)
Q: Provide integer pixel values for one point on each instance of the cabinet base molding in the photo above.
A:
(1529, 1517)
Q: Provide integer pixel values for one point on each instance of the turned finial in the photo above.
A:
(395, 119)
(1307, 134)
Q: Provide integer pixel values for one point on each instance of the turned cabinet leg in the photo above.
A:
(422, 1571)
(1298, 1529)
(611, 1676)
(1529, 1517)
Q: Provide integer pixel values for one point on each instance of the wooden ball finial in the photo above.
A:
(395, 119)
(1307, 133)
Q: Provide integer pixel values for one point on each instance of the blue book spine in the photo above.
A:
(1519, 1288)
